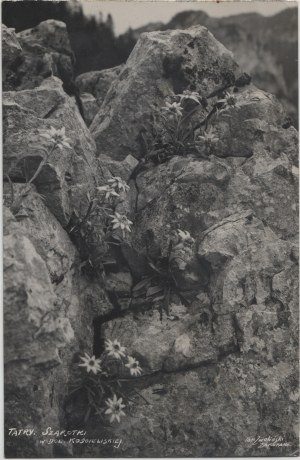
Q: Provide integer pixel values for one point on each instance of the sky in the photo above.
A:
(138, 13)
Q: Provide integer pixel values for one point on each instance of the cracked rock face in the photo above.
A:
(223, 365)
(219, 358)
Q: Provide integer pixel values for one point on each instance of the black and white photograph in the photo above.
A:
(150, 229)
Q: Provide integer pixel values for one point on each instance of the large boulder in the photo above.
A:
(165, 63)
(46, 51)
(264, 46)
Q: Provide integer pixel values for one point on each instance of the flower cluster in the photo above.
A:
(184, 124)
(97, 229)
(112, 189)
(117, 351)
(99, 369)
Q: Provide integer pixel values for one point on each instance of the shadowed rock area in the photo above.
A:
(202, 290)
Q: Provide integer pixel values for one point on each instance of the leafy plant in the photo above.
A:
(176, 130)
(161, 283)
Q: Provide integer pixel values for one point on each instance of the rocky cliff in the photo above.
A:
(166, 233)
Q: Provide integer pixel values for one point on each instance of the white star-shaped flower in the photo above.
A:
(91, 363)
(173, 109)
(115, 407)
(133, 366)
(115, 349)
(121, 221)
(58, 136)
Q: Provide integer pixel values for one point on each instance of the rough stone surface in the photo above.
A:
(90, 107)
(234, 345)
(48, 317)
(185, 340)
(69, 173)
(164, 63)
(46, 51)
(264, 46)
(97, 82)
(11, 49)
(216, 235)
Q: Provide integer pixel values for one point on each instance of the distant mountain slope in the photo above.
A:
(266, 47)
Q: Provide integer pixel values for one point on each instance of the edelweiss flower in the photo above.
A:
(114, 348)
(121, 221)
(133, 366)
(91, 363)
(229, 101)
(184, 235)
(58, 136)
(115, 407)
(193, 95)
(209, 137)
(109, 191)
(118, 183)
(173, 109)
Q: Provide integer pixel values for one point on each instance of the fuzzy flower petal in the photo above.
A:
(115, 349)
(91, 364)
(115, 407)
(133, 366)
